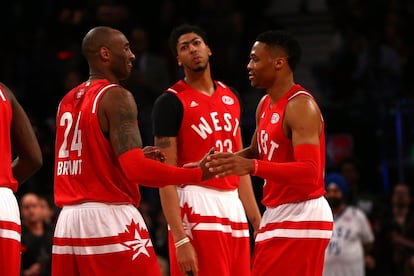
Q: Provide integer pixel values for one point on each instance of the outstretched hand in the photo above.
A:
(226, 163)
(207, 174)
(154, 153)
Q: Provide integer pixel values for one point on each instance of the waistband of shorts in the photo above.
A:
(207, 190)
(294, 203)
(93, 204)
(6, 190)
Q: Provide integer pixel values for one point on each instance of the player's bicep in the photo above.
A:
(121, 114)
(167, 115)
(303, 118)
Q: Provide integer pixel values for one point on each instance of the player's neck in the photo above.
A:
(279, 88)
(95, 75)
(201, 82)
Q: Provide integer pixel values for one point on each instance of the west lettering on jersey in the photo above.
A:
(267, 147)
(69, 167)
(226, 123)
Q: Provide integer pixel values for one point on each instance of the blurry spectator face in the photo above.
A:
(138, 41)
(401, 196)
(46, 210)
(30, 208)
(350, 172)
(334, 196)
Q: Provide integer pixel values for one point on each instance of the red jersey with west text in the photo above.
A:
(6, 174)
(86, 167)
(208, 121)
(275, 146)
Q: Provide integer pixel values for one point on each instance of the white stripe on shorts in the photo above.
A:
(314, 210)
(9, 234)
(294, 233)
(89, 250)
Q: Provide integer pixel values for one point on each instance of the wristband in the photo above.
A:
(182, 242)
(255, 166)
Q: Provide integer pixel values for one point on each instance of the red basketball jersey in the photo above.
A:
(86, 167)
(6, 174)
(274, 146)
(208, 121)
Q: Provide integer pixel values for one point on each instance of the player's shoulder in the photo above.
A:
(178, 87)
(115, 96)
(5, 92)
(231, 90)
(166, 97)
(116, 90)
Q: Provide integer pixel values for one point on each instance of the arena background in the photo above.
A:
(357, 61)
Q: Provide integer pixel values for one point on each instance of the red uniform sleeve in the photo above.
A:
(151, 173)
(306, 168)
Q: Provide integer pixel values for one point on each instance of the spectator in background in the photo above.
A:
(352, 237)
(49, 212)
(360, 194)
(149, 76)
(37, 238)
(394, 225)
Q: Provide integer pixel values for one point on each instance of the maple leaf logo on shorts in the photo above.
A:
(136, 239)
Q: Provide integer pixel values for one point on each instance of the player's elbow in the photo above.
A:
(34, 162)
(37, 162)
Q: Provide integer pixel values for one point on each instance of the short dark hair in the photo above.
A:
(184, 29)
(285, 41)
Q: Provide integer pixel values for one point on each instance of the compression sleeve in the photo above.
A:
(151, 173)
(167, 115)
(305, 169)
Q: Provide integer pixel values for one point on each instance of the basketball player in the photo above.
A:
(192, 115)
(288, 151)
(15, 130)
(98, 166)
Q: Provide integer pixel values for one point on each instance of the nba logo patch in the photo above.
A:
(227, 100)
(80, 93)
(275, 118)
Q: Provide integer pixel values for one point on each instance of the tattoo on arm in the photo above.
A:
(127, 133)
(163, 142)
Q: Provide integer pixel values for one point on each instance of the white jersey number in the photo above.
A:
(224, 146)
(76, 145)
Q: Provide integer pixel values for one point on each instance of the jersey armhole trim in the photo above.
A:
(95, 101)
(2, 96)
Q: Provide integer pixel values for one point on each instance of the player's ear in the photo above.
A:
(209, 51)
(278, 62)
(104, 53)
(179, 62)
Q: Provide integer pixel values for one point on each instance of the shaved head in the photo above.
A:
(95, 39)
(108, 54)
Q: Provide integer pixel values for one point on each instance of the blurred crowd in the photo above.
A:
(368, 73)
